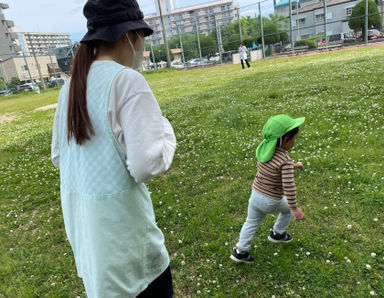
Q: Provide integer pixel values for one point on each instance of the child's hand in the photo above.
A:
(297, 213)
(298, 165)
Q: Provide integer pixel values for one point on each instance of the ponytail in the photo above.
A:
(78, 122)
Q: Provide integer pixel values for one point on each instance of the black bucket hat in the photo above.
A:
(109, 20)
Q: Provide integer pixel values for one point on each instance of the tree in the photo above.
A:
(14, 83)
(357, 19)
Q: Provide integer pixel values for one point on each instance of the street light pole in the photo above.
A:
(164, 36)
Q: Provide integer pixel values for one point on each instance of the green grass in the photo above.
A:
(201, 202)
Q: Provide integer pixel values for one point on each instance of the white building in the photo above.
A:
(205, 17)
(42, 42)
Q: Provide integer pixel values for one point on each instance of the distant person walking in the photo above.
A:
(109, 137)
(243, 55)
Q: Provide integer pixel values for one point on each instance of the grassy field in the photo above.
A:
(201, 202)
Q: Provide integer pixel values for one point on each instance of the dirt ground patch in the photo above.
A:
(7, 118)
(44, 108)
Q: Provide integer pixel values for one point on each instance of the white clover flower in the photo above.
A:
(375, 219)
(180, 241)
(328, 261)
(372, 293)
(183, 263)
(368, 266)
(307, 253)
(349, 227)
(373, 255)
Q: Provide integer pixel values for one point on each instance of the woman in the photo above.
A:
(243, 55)
(109, 137)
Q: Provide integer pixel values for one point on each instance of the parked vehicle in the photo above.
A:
(336, 39)
(349, 37)
(56, 82)
(215, 58)
(6, 92)
(374, 34)
(28, 87)
(177, 64)
(196, 62)
(227, 56)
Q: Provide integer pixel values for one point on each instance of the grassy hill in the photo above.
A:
(201, 202)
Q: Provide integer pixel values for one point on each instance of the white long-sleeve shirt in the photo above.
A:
(136, 121)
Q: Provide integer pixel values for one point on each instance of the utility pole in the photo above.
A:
(164, 36)
(181, 44)
(325, 24)
(366, 23)
(261, 30)
(218, 35)
(37, 63)
(153, 55)
(198, 40)
(238, 17)
(26, 63)
(290, 26)
(53, 66)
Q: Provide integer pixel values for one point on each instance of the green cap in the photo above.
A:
(275, 128)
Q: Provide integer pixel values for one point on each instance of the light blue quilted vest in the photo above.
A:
(109, 218)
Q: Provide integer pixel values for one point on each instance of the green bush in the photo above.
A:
(306, 42)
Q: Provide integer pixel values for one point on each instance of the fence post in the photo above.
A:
(290, 26)
(325, 24)
(181, 44)
(261, 30)
(238, 17)
(366, 22)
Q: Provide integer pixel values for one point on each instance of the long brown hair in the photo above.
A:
(78, 122)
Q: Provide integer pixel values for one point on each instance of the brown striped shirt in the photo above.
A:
(275, 178)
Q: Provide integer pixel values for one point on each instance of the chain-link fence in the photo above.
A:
(293, 27)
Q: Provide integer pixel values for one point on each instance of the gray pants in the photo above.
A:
(258, 207)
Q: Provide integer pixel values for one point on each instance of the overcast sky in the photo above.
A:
(67, 16)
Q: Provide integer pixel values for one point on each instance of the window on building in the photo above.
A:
(300, 21)
(320, 17)
(348, 11)
(223, 8)
(24, 67)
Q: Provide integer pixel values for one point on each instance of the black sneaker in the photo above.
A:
(244, 257)
(278, 238)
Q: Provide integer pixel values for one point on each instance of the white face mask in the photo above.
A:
(137, 55)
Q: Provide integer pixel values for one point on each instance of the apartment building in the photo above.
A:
(309, 21)
(41, 42)
(204, 18)
(8, 46)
